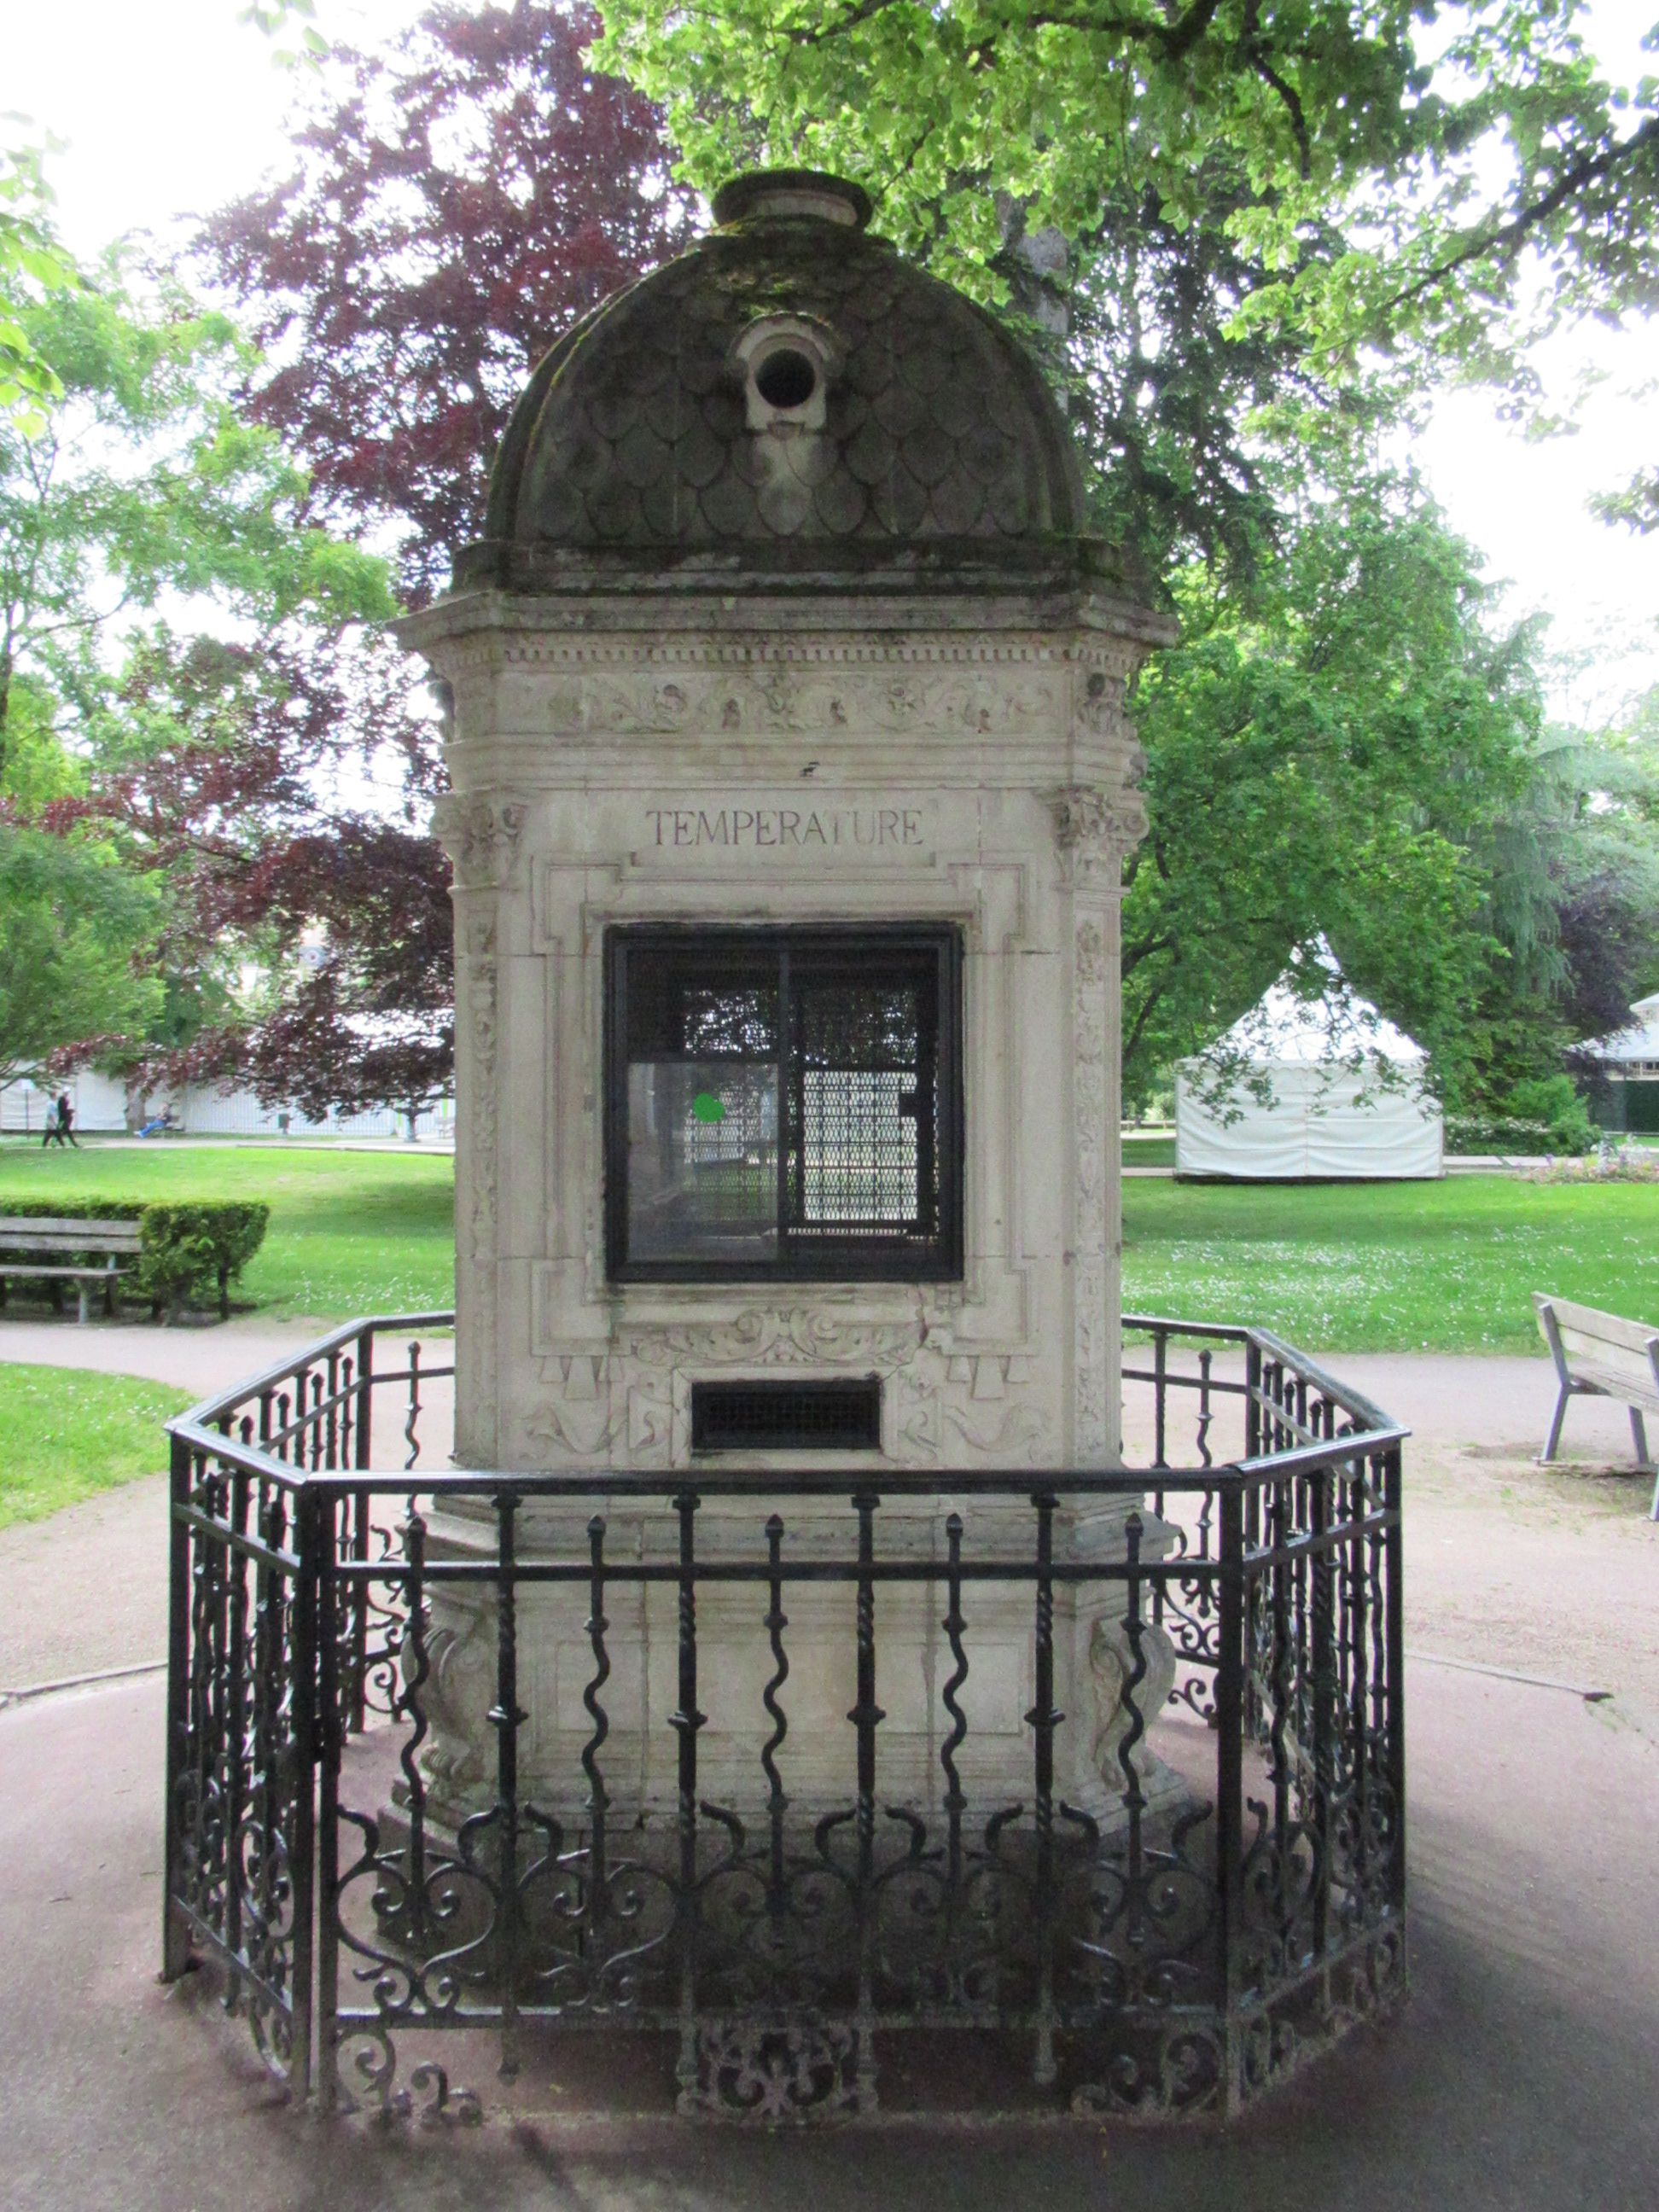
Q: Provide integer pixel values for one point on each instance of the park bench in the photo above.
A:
(1599, 1355)
(59, 1252)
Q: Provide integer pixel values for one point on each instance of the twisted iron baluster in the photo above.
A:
(866, 1716)
(597, 1798)
(956, 1802)
(1135, 1798)
(1205, 1359)
(777, 1802)
(418, 1665)
(414, 1407)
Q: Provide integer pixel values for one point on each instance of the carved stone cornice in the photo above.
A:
(481, 835)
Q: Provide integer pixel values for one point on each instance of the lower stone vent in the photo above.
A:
(837, 1416)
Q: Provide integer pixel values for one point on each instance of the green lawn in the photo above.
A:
(1148, 1152)
(65, 1436)
(1440, 1266)
(350, 1232)
(1446, 1267)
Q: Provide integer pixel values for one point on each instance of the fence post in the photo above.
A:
(1230, 1786)
(1394, 1692)
(175, 1928)
(303, 1843)
(330, 1728)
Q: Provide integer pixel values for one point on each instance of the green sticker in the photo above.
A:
(707, 1107)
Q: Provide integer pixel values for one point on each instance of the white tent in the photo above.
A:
(1307, 1088)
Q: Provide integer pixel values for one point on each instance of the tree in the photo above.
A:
(1329, 765)
(458, 202)
(74, 926)
(157, 593)
(141, 489)
(1451, 143)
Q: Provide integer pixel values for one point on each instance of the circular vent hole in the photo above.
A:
(786, 378)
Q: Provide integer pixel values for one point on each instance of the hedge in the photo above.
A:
(185, 1250)
(1516, 1139)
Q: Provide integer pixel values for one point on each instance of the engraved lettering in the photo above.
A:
(872, 827)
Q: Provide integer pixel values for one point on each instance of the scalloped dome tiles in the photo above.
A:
(791, 383)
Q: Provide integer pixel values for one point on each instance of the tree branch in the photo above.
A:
(1510, 237)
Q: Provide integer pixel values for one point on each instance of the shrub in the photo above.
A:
(1554, 1101)
(1518, 1140)
(189, 1249)
(185, 1251)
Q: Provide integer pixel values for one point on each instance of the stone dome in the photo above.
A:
(790, 393)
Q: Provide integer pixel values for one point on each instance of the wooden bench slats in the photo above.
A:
(21, 1232)
(1606, 1356)
(1599, 1327)
(36, 1234)
(1636, 1388)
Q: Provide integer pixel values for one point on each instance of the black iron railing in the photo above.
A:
(397, 1830)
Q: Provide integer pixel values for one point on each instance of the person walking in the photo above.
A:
(54, 1131)
(65, 1131)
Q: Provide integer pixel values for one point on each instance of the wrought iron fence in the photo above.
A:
(400, 1825)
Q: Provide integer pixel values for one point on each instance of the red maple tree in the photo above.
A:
(457, 201)
(460, 200)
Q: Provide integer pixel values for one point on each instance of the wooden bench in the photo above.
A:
(1597, 1355)
(43, 1236)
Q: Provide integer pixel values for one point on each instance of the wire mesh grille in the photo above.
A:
(833, 1416)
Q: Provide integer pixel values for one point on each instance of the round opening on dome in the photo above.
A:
(786, 378)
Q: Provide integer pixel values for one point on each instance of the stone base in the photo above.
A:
(777, 1694)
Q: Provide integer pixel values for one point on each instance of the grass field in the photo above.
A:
(1437, 1266)
(1446, 1267)
(65, 1436)
(350, 1232)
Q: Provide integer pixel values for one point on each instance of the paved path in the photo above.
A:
(1553, 1573)
(86, 1591)
(1520, 2079)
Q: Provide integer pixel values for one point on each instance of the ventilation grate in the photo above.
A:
(835, 1416)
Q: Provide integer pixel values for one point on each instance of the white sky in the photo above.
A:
(171, 110)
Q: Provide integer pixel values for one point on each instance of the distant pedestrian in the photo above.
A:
(54, 1128)
(65, 1121)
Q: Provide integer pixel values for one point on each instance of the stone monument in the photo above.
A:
(791, 785)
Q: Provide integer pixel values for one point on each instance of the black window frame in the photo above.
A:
(848, 1261)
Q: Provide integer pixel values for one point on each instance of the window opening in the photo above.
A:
(783, 1101)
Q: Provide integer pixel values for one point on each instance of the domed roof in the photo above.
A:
(789, 392)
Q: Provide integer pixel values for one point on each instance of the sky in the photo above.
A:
(169, 111)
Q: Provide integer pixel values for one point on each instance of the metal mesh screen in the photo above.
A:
(833, 1416)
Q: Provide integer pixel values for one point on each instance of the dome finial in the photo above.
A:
(759, 195)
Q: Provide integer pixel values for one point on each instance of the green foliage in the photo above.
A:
(142, 488)
(1554, 1101)
(190, 1250)
(1537, 1115)
(66, 1435)
(32, 263)
(1450, 155)
(73, 924)
(186, 1249)
(1325, 764)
